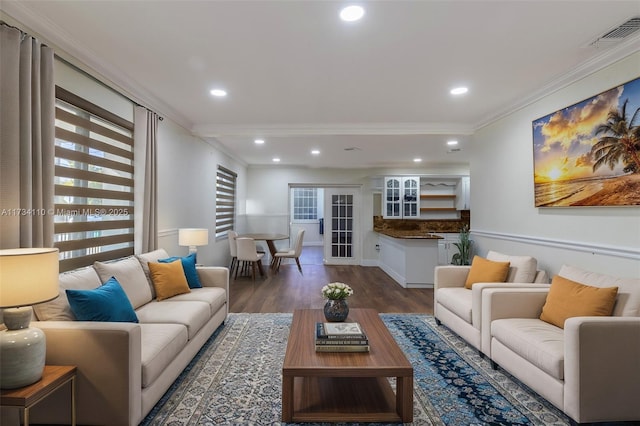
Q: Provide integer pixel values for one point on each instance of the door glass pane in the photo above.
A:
(342, 220)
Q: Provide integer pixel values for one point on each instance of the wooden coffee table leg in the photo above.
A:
(287, 398)
(404, 398)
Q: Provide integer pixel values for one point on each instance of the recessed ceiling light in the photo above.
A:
(459, 90)
(417, 160)
(218, 93)
(258, 141)
(315, 152)
(352, 13)
(276, 160)
(452, 143)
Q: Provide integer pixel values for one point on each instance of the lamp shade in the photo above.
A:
(193, 237)
(28, 276)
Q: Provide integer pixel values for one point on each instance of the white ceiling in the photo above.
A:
(300, 78)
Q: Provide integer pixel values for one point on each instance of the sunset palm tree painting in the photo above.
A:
(588, 154)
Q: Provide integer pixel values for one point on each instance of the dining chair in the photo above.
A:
(248, 255)
(291, 253)
(233, 250)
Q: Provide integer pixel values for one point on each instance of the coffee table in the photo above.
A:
(353, 387)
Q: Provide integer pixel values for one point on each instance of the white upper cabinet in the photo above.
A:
(401, 197)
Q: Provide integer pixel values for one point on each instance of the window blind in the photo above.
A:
(225, 201)
(93, 183)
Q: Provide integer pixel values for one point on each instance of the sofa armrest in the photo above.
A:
(215, 276)
(476, 297)
(108, 382)
(514, 302)
(602, 368)
(450, 276)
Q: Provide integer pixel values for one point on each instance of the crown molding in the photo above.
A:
(608, 57)
(345, 129)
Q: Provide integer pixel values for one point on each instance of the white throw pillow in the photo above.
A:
(131, 277)
(522, 269)
(58, 309)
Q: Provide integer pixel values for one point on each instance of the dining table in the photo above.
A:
(268, 237)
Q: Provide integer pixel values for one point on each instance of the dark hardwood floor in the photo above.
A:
(289, 290)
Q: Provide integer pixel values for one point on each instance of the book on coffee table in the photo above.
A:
(341, 331)
(342, 348)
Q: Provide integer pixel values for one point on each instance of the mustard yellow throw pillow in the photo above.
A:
(568, 299)
(486, 271)
(168, 279)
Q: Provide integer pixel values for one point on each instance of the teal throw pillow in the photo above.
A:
(189, 266)
(108, 302)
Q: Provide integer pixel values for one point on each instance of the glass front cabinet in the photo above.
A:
(401, 197)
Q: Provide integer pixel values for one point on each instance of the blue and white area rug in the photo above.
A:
(236, 379)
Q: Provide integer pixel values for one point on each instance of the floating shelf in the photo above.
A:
(438, 209)
(438, 197)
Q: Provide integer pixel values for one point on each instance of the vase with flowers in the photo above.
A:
(336, 309)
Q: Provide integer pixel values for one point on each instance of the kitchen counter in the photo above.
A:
(409, 258)
(411, 235)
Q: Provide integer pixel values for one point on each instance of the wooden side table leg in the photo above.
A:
(287, 398)
(25, 420)
(73, 401)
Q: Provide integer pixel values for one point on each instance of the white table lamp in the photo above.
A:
(27, 276)
(193, 237)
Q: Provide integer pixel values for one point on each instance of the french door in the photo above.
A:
(342, 225)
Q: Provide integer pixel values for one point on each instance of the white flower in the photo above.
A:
(336, 291)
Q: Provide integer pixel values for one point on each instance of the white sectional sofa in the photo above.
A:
(460, 308)
(590, 369)
(124, 368)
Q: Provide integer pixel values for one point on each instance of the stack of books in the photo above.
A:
(340, 337)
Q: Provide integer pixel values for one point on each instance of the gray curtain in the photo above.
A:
(27, 137)
(146, 179)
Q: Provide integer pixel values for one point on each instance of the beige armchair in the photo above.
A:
(590, 369)
(460, 308)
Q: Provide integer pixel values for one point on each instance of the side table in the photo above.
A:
(53, 377)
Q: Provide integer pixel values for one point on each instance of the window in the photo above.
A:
(225, 201)
(93, 193)
(305, 204)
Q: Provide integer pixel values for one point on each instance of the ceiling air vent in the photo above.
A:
(618, 33)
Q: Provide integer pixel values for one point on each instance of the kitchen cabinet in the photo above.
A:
(400, 197)
(463, 191)
(446, 248)
(410, 262)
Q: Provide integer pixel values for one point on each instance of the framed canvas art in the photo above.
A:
(588, 154)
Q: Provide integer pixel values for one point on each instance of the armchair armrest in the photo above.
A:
(450, 276)
(108, 381)
(476, 296)
(602, 368)
(515, 302)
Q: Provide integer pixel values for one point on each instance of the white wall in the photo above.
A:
(187, 169)
(601, 239)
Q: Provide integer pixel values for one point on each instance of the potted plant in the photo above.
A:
(463, 257)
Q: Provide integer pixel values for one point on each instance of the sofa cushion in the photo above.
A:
(486, 271)
(189, 266)
(458, 300)
(58, 309)
(522, 269)
(161, 344)
(628, 300)
(192, 314)
(568, 299)
(540, 343)
(105, 303)
(130, 275)
(215, 297)
(168, 279)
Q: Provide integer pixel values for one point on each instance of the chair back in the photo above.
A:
(233, 247)
(298, 245)
(247, 249)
